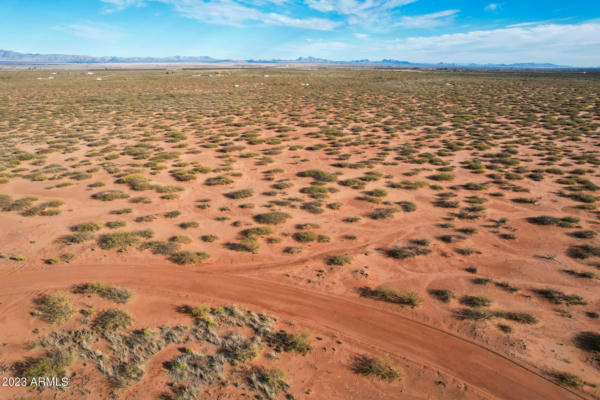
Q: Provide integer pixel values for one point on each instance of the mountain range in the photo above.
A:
(16, 58)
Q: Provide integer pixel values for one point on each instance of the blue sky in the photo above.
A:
(502, 31)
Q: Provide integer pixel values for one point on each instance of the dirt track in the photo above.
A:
(490, 372)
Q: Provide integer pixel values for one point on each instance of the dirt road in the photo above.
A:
(353, 319)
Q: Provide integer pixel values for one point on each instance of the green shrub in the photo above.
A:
(305, 236)
(249, 244)
(354, 183)
(218, 180)
(579, 274)
(118, 240)
(316, 192)
(587, 234)
(383, 213)
(188, 225)
(584, 251)
(565, 222)
(110, 195)
(159, 247)
(402, 253)
(76, 238)
(188, 257)
(240, 194)
(172, 214)
(257, 231)
(135, 182)
(443, 295)
(86, 227)
(558, 297)
(567, 379)
(444, 176)
(340, 260)
(476, 301)
(318, 175)
(408, 185)
(407, 206)
(209, 238)
(115, 224)
(180, 239)
(588, 341)
(116, 294)
(122, 211)
(390, 295)
(520, 317)
(272, 218)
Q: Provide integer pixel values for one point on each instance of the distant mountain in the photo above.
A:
(13, 57)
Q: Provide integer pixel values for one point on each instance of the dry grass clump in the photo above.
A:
(119, 240)
(479, 314)
(377, 367)
(52, 365)
(270, 382)
(54, 309)
(299, 343)
(112, 321)
(390, 295)
(116, 294)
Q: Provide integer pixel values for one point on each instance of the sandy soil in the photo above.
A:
(442, 357)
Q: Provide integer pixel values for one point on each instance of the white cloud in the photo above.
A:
(427, 20)
(563, 44)
(118, 5)
(234, 12)
(492, 7)
(92, 31)
(361, 35)
(373, 13)
(574, 44)
(355, 7)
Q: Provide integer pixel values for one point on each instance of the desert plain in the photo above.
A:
(299, 234)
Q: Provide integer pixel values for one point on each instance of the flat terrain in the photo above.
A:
(322, 234)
